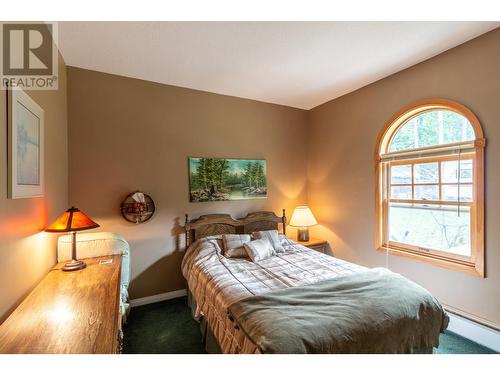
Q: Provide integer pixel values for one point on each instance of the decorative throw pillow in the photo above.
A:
(273, 237)
(233, 245)
(259, 249)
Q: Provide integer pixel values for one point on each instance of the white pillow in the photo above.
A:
(273, 237)
(259, 249)
(233, 245)
(283, 239)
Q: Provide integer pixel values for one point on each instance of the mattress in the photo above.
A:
(216, 282)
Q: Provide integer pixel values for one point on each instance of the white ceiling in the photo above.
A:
(299, 64)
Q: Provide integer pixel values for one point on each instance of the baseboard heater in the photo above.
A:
(476, 329)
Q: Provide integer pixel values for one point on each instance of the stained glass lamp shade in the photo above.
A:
(72, 220)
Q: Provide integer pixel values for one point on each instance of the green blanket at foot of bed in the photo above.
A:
(373, 311)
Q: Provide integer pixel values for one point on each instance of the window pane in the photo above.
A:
(401, 192)
(449, 171)
(405, 137)
(427, 173)
(428, 129)
(456, 128)
(432, 128)
(401, 174)
(431, 227)
(450, 193)
(427, 192)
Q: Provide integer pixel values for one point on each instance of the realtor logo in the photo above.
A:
(29, 58)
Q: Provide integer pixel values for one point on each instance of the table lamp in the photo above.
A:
(72, 220)
(303, 218)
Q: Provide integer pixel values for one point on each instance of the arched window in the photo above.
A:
(430, 186)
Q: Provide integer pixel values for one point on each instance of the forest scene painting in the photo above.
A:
(215, 179)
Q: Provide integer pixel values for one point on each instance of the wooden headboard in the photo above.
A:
(214, 224)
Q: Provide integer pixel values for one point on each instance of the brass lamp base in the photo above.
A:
(74, 265)
(303, 234)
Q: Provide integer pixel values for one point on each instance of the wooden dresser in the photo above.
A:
(68, 312)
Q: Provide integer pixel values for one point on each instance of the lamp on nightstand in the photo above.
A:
(303, 218)
(72, 220)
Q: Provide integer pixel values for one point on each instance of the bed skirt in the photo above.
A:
(207, 336)
(212, 346)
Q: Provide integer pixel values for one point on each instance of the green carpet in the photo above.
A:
(451, 343)
(167, 327)
(162, 327)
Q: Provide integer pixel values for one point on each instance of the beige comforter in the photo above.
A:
(216, 282)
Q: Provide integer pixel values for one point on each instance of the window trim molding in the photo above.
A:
(477, 265)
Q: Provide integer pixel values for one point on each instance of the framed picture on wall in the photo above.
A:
(218, 179)
(25, 146)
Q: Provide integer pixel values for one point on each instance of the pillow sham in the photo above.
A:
(232, 245)
(259, 250)
(273, 237)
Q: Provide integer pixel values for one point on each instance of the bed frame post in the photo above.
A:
(186, 229)
(283, 221)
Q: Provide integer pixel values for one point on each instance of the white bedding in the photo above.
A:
(216, 281)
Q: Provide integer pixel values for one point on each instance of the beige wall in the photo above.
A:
(127, 134)
(341, 139)
(27, 253)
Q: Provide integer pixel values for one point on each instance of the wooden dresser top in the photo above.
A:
(68, 312)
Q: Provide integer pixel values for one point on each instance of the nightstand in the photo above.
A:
(315, 244)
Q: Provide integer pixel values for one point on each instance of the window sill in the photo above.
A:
(468, 268)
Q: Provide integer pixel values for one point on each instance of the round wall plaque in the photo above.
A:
(138, 207)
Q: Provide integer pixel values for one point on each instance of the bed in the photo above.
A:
(220, 289)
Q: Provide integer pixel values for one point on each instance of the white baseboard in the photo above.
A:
(158, 297)
(475, 332)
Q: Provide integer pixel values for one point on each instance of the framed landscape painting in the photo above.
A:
(217, 179)
(25, 146)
